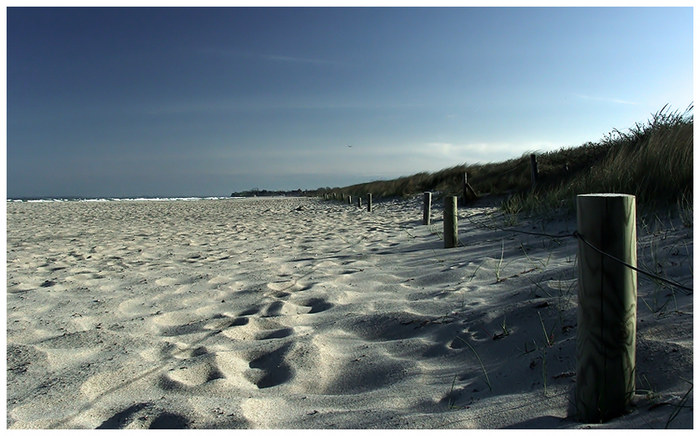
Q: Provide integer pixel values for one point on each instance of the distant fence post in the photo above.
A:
(359, 201)
(534, 175)
(607, 309)
(427, 200)
(349, 199)
(369, 202)
(467, 191)
(450, 222)
(465, 182)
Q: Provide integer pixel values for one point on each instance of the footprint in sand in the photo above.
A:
(145, 416)
(274, 334)
(281, 295)
(306, 306)
(270, 368)
(176, 324)
(192, 373)
(169, 421)
(279, 308)
(258, 329)
(198, 366)
(250, 311)
(122, 418)
(317, 305)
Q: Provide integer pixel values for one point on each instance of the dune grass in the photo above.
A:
(652, 160)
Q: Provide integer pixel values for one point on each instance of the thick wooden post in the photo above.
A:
(369, 202)
(359, 201)
(427, 200)
(450, 222)
(607, 309)
(533, 170)
(349, 199)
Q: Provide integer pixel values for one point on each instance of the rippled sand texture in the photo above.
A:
(299, 313)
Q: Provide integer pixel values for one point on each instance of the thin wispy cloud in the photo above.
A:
(482, 148)
(605, 99)
(298, 60)
(281, 58)
(479, 151)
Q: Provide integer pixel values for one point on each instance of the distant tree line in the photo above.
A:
(265, 193)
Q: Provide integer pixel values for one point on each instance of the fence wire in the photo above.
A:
(577, 235)
(580, 237)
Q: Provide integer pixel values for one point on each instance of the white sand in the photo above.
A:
(299, 313)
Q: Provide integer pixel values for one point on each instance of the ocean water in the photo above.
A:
(106, 199)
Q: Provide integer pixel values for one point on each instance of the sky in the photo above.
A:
(124, 102)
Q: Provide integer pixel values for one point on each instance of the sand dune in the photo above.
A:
(300, 313)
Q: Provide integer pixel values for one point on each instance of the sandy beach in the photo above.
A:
(272, 313)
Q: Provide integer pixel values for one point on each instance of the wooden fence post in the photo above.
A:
(369, 202)
(349, 199)
(607, 309)
(467, 191)
(359, 201)
(450, 222)
(465, 183)
(427, 200)
(534, 174)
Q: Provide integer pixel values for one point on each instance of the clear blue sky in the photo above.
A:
(186, 101)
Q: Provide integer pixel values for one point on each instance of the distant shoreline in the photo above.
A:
(142, 198)
(104, 199)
